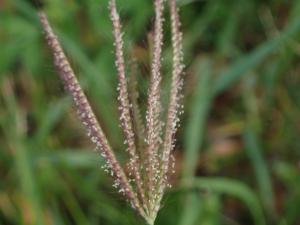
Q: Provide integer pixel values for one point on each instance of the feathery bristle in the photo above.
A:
(176, 86)
(124, 108)
(174, 98)
(154, 124)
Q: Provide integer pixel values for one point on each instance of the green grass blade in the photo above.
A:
(194, 137)
(193, 208)
(261, 170)
(15, 133)
(253, 145)
(233, 188)
(50, 120)
(250, 61)
(196, 123)
(75, 158)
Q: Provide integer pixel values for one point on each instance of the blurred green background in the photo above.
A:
(238, 148)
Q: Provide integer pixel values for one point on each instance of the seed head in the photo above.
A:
(149, 147)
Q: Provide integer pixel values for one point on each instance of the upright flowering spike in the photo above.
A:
(87, 116)
(125, 117)
(154, 124)
(174, 98)
(173, 110)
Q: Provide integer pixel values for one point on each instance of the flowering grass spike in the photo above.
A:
(149, 145)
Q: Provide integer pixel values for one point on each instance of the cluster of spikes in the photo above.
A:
(149, 145)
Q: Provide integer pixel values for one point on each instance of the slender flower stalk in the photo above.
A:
(154, 123)
(126, 118)
(149, 159)
(175, 95)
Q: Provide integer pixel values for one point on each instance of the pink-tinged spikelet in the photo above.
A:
(153, 120)
(124, 107)
(174, 108)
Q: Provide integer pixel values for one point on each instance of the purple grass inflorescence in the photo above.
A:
(149, 145)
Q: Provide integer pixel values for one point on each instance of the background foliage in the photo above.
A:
(238, 158)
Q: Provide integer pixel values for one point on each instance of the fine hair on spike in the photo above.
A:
(126, 119)
(153, 122)
(149, 146)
